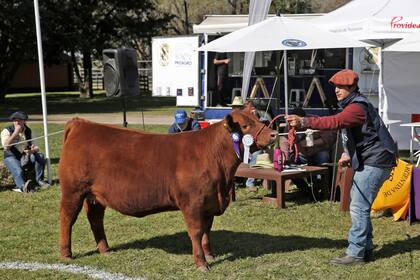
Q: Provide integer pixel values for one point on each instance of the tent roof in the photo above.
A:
(280, 33)
(217, 24)
(410, 43)
(373, 19)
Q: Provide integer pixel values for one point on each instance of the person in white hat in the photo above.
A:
(238, 102)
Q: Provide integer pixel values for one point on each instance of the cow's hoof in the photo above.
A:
(210, 257)
(66, 258)
(106, 253)
(203, 268)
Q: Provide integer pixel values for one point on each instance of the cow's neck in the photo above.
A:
(225, 146)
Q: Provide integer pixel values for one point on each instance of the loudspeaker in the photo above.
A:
(121, 77)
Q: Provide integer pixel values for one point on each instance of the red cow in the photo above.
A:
(139, 173)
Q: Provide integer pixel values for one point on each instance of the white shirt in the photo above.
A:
(5, 134)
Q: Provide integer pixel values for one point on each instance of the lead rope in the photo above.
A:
(291, 136)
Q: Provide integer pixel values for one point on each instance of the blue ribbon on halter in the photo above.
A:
(236, 138)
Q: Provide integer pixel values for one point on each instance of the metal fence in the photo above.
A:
(144, 69)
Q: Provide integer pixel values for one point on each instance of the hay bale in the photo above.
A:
(6, 179)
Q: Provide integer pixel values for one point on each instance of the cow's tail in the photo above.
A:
(67, 129)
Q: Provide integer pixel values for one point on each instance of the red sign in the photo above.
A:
(398, 22)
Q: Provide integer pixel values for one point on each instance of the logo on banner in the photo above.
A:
(164, 54)
(294, 43)
(399, 22)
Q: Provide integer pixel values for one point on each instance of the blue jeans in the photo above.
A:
(13, 164)
(366, 184)
(250, 182)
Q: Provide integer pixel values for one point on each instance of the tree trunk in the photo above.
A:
(7, 74)
(86, 90)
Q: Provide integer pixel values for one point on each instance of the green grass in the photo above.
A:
(252, 240)
(70, 103)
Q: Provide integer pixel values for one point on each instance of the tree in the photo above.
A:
(16, 25)
(91, 26)
(195, 12)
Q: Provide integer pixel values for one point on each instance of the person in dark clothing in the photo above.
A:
(221, 61)
(20, 152)
(369, 149)
(183, 123)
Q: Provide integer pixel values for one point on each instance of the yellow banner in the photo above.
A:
(395, 192)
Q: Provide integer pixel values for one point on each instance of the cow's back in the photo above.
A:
(133, 172)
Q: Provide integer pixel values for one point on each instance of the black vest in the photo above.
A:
(12, 151)
(371, 143)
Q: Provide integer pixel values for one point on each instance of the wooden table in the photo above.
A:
(280, 178)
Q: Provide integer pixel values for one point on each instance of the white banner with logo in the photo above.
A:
(176, 68)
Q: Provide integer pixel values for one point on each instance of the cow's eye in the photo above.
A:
(244, 126)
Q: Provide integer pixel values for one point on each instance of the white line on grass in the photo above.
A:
(75, 269)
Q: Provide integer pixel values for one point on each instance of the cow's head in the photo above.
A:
(244, 121)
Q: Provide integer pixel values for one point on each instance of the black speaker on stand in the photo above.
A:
(121, 77)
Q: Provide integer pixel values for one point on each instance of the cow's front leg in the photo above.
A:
(196, 229)
(205, 241)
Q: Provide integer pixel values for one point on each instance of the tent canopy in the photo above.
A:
(220, 24)
(410, 43)
(373, 19)
(279, 33)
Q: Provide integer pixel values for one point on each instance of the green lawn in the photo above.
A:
(252, 240)
(70, 103)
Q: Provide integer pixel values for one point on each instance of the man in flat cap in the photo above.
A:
(20, 152)
(369, 150)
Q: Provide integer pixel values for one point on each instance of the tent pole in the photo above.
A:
(42, 82)
(286, 98)
(208, 101)
(380, 83)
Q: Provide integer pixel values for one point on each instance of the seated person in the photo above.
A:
(183, 123)
(16, 147)
(316, 154)
(320, 150)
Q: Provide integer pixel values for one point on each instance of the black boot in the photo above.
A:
(345, 259)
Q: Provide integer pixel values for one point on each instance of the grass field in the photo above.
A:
(69, 102)
(252, 240)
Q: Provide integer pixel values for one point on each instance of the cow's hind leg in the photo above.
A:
(205, 241)
(95, 214)
(70, 207)
(196, 229)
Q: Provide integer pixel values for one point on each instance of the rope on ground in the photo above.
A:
(40, 137)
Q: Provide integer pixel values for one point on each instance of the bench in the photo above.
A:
(280, 178)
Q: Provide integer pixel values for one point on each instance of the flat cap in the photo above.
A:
(19, 115)
(344, 77)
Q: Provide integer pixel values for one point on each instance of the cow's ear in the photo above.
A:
(248, 107)
(228, 122)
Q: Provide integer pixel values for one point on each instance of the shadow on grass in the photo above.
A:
(235, 244)
(398, 247)
(62, 103)
(54, 160)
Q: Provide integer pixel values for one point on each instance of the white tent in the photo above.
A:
(410, 43)
(279, 33)
(373, 19)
